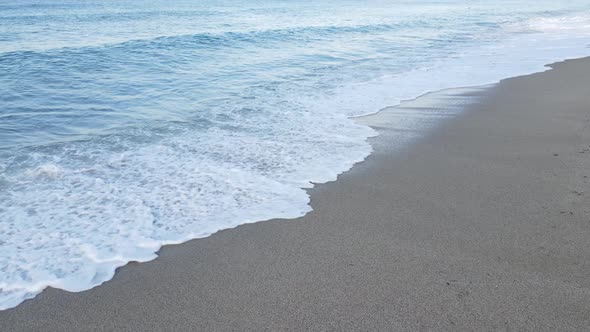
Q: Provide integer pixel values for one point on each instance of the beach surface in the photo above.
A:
(481, 224)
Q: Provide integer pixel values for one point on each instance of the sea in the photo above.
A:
(131, 124)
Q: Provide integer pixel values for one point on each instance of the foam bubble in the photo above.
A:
(45, 170)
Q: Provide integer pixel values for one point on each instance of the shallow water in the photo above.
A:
(127, 125)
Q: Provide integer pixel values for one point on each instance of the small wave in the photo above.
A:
(573, 23)
(223, 39)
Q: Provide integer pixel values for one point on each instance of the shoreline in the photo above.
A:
(278, 214)
(289, 271)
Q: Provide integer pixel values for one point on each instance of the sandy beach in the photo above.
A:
(481, 224)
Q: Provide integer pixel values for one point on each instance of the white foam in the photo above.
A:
(45, 170)
(518, 54)
(561, 24)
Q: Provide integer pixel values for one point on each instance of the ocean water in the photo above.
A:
(127, 125)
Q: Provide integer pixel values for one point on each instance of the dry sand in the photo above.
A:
(483, 224)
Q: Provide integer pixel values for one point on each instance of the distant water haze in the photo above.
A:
(128, 125)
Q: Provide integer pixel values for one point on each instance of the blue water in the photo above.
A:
(127, 125)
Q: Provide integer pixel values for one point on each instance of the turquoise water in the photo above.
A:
(126, 125)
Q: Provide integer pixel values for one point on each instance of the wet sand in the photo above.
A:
(482, 224)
